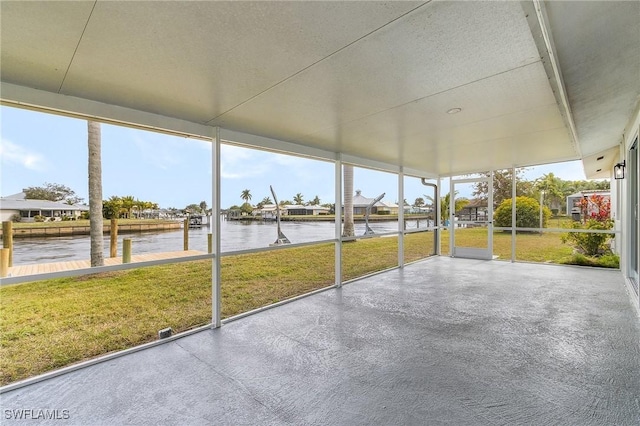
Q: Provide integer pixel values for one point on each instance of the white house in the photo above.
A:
(573, 202)
(268, 211)
(27, 209)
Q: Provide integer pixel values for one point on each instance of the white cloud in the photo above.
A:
(163, 154)
(16, 154)
(242, 163)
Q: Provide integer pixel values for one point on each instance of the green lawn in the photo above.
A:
(49, 324)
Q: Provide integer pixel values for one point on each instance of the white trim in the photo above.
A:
(439, 227)
(514, 209)
(556, 80)
(337, 213)
(370, 164)
(472, 252)
(55, 103)
(401, 218)
(249, 140)
(216, 280)
(417, 230)
(100, 269)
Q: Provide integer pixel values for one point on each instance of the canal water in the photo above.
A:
(235, 235)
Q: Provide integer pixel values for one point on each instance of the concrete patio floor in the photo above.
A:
(444, 341)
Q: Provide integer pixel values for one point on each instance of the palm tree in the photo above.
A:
(127, 204)
(111, 207)
(315, 201)
(203, 207)
(446, 201)
(348, 229)
(95, 193)
(139, 207)
(551, 185)
(298, 199)
(245, 195)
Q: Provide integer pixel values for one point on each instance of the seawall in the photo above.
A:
(67, 231)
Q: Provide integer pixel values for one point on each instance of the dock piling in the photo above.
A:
(126, 250)
(7, 239)
(186, 234)
(210, 243)
(4, 262)
(113, 233)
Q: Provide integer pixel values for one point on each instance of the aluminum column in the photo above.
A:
(401, 218)
(338, 221)
(216, 294)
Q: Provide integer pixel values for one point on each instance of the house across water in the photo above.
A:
(18, 207)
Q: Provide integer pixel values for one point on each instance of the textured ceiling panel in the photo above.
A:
(196, 60)
(426, 53)
(38, 41)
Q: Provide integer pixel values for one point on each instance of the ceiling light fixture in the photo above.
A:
(454, 110)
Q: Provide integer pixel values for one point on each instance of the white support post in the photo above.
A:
(216, 294)
(514, 194)
(401, 218)
(338, 221)
(438, 223)
(490, 207)
(452, 209)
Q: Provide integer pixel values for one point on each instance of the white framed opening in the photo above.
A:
(471, 217)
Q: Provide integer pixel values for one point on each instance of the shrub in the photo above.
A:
(590, 244)
(606, 261)
(610, 260)
(598, 209)
(527, 213)
(16, 218)
(85, 216)
(39, 218)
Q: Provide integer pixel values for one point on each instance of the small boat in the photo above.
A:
(195, 221)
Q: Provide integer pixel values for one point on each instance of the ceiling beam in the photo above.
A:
(55, 103)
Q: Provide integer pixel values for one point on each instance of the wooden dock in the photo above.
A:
(44, 268)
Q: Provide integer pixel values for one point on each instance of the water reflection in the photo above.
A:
(235, 235)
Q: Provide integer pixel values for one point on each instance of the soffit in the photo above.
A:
(598, 48)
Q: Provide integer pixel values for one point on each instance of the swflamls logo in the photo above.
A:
(36, 414)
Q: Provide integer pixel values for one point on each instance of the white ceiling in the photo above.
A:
(367, 79)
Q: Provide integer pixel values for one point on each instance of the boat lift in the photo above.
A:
(369, 231)
(282, 239)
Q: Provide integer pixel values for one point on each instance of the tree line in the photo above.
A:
(123, 207)
(298, 199)
(555, 189)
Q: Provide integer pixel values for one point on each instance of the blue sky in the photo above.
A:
(36, 148)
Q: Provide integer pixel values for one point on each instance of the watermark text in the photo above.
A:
(36, 414)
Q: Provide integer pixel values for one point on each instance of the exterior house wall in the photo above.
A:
(625, 213)
(6, 215)
(626, 210)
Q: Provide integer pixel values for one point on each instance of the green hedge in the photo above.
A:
(527, 213)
